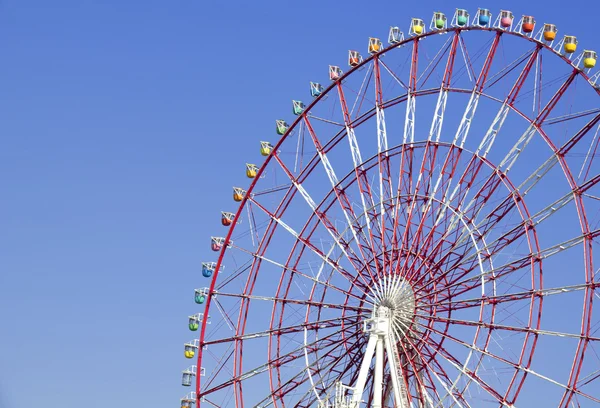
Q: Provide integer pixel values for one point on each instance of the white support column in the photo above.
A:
(392, 318)
(378, 386)
(364, 370)
(381, 341)
(395, 371)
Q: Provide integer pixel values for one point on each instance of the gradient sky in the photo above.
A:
(123, 126)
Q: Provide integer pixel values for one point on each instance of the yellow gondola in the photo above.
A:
(190, 350)
(251, 170)
(417, 26)
(266, 148)
(570, 44)
(589, 58)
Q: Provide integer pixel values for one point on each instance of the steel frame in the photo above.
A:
(463, 230)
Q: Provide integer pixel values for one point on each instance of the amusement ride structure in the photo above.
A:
(389, 256)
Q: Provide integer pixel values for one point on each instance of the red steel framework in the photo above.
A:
(406, 231)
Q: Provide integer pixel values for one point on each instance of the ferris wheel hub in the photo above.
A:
(396, 302)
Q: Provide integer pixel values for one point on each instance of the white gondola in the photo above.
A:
(189, 374)
(395, 36)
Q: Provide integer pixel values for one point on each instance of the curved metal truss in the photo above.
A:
(422, 235)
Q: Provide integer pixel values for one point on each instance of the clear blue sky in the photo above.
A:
(123, 126)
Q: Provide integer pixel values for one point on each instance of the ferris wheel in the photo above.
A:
(420, 235)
